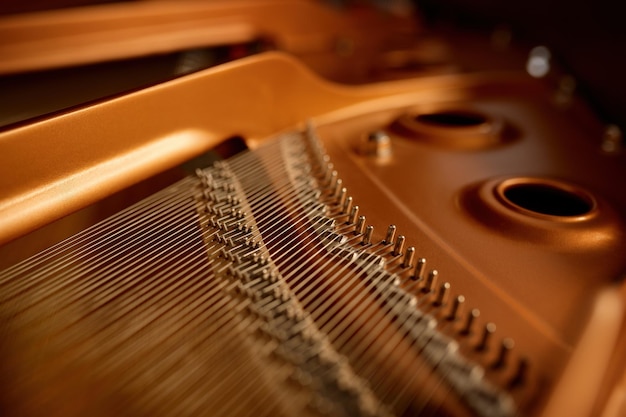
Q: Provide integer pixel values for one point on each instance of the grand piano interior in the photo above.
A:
(291, 207)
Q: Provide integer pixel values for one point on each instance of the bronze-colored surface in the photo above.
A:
(551, 276)
(324, 39)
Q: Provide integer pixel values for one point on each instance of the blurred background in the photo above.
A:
(585, 39)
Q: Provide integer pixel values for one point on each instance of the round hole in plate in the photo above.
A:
(455, 128)
(544, 210)
(548, 199)
(452, 119)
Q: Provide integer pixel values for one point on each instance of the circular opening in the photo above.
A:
(454, 129)
(548, 199)
(452, 119)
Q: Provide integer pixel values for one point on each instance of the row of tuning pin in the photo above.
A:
(344, 209)
(417, 271)
(468, 327)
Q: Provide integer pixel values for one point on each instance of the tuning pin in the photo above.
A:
(367, 236)
(398, 249)
(332, 182)
(328, 172)
(347, 206)
(431, 281)
(353, 214)
(456, 308)
(409, 257)
(338, 187)
(488, 331)
(359, 228)
(469, 322)
(444, 289)
(519, 377)
(506, 346)
(419, 269)
(391, 235)
(342, 197)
